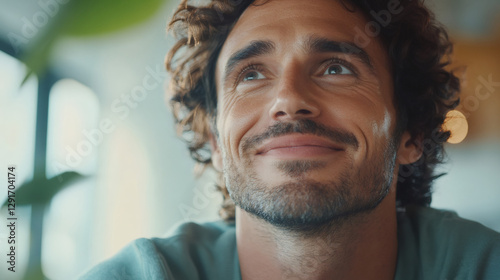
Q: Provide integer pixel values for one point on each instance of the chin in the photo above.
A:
(306, 205)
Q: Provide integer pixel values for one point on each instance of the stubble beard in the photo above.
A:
(303, 204)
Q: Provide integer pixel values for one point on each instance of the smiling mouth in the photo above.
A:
(298, 146)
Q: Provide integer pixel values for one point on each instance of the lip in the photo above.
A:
(298, 145)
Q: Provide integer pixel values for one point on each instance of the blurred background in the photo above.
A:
(94, 144)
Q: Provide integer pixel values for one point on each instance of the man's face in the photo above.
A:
(305, 117)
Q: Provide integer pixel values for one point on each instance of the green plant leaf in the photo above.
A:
(41, 190)
(85, 18)
(35, 274)
(92, 17)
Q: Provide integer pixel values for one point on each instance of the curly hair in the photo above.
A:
(419, 51)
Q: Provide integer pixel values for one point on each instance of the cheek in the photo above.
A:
(383, 128)
(363, 104)
(367, 111)
(239, 118)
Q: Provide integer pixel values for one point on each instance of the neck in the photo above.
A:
(360, 247)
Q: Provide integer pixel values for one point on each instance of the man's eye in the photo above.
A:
(337, 69)
(253, 75)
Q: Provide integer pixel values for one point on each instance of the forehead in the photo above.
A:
(289, 23)
(280, 14)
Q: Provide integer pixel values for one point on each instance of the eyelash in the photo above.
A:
(249, 66)
(335, 60)
(257, 67)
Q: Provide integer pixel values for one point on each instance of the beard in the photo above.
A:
(304, 204)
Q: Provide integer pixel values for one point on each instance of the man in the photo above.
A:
(324, 118)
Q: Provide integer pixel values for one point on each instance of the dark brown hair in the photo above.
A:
(418, 47)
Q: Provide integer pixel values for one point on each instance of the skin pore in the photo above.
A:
(306, 142)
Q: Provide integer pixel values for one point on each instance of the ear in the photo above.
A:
(410, 149)
(216, 153)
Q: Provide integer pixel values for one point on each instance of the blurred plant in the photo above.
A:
(64, 18)
(41, 190)
(84, 18)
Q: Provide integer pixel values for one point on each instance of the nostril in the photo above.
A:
(303, 112)
(292, 108)
(280, 113)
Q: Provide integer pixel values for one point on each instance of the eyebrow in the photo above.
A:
(313, 44)
(254, 49)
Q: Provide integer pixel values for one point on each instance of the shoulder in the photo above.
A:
(441, 245)
(449, 229)
(188, 253)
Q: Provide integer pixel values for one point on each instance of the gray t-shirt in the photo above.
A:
(432, 244)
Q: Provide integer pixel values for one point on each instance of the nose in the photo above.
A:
(293, 102)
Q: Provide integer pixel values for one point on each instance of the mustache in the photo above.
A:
(302, 126)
